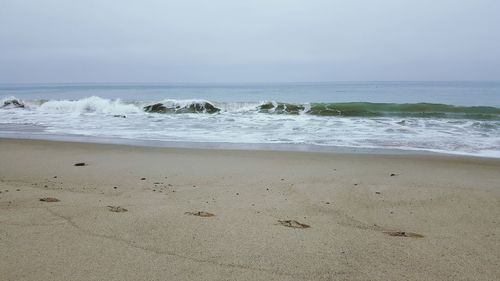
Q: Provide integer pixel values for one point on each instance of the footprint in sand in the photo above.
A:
(403, 234)
(116, 209)
(49, 199)
(293, 224)
(200, 214)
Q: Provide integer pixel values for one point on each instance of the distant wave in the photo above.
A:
(100, 105)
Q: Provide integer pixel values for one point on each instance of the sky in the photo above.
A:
(74, 41)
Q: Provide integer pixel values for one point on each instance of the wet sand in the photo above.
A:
(138, 213)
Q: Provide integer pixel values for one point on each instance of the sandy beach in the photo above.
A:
(139, 213)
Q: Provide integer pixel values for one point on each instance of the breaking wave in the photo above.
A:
(99, 105)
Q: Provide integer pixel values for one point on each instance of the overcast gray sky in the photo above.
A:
(248, 40)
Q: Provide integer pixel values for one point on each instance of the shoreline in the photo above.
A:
(207, 214)
(284, 147)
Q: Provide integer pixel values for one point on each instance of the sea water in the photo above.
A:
(448, 117)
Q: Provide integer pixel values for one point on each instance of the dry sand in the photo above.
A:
(215, 215)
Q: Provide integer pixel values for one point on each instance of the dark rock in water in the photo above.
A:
(198, 107)
(80, 164)
(120, 116)
(14, 103)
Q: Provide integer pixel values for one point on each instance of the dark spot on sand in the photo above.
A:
(115, 187)
(157, 182)
(49, 199)
(117, 209)
(200, 214)
(18, 190)
(237, 193)
(328, 203)
(80, 164)
(293, 224)
(55, 177)
(393, 175)
(143, 179)
(377, 192)
(45, 186)
(169, 184)
(282, 179)
(355, 184)
(403, 234)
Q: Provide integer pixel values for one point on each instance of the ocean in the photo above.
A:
(439, 117)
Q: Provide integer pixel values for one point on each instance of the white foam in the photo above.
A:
(241, 122)
(89, 105)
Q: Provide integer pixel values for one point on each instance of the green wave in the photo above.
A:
(366, 109)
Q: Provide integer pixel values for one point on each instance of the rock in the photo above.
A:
(120, 116)
(49, 199)
(80, 164)
(293, 224)
(13, 103)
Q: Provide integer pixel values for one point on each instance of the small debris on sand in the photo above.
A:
(200, 214)
(49, 199)
(377, 192)
(117, 209)
(293, 224)
(80, 164)
(143, 179)
(403, 234)
(393, 175)
(115, 187)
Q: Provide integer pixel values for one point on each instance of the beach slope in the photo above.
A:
(138, 213)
